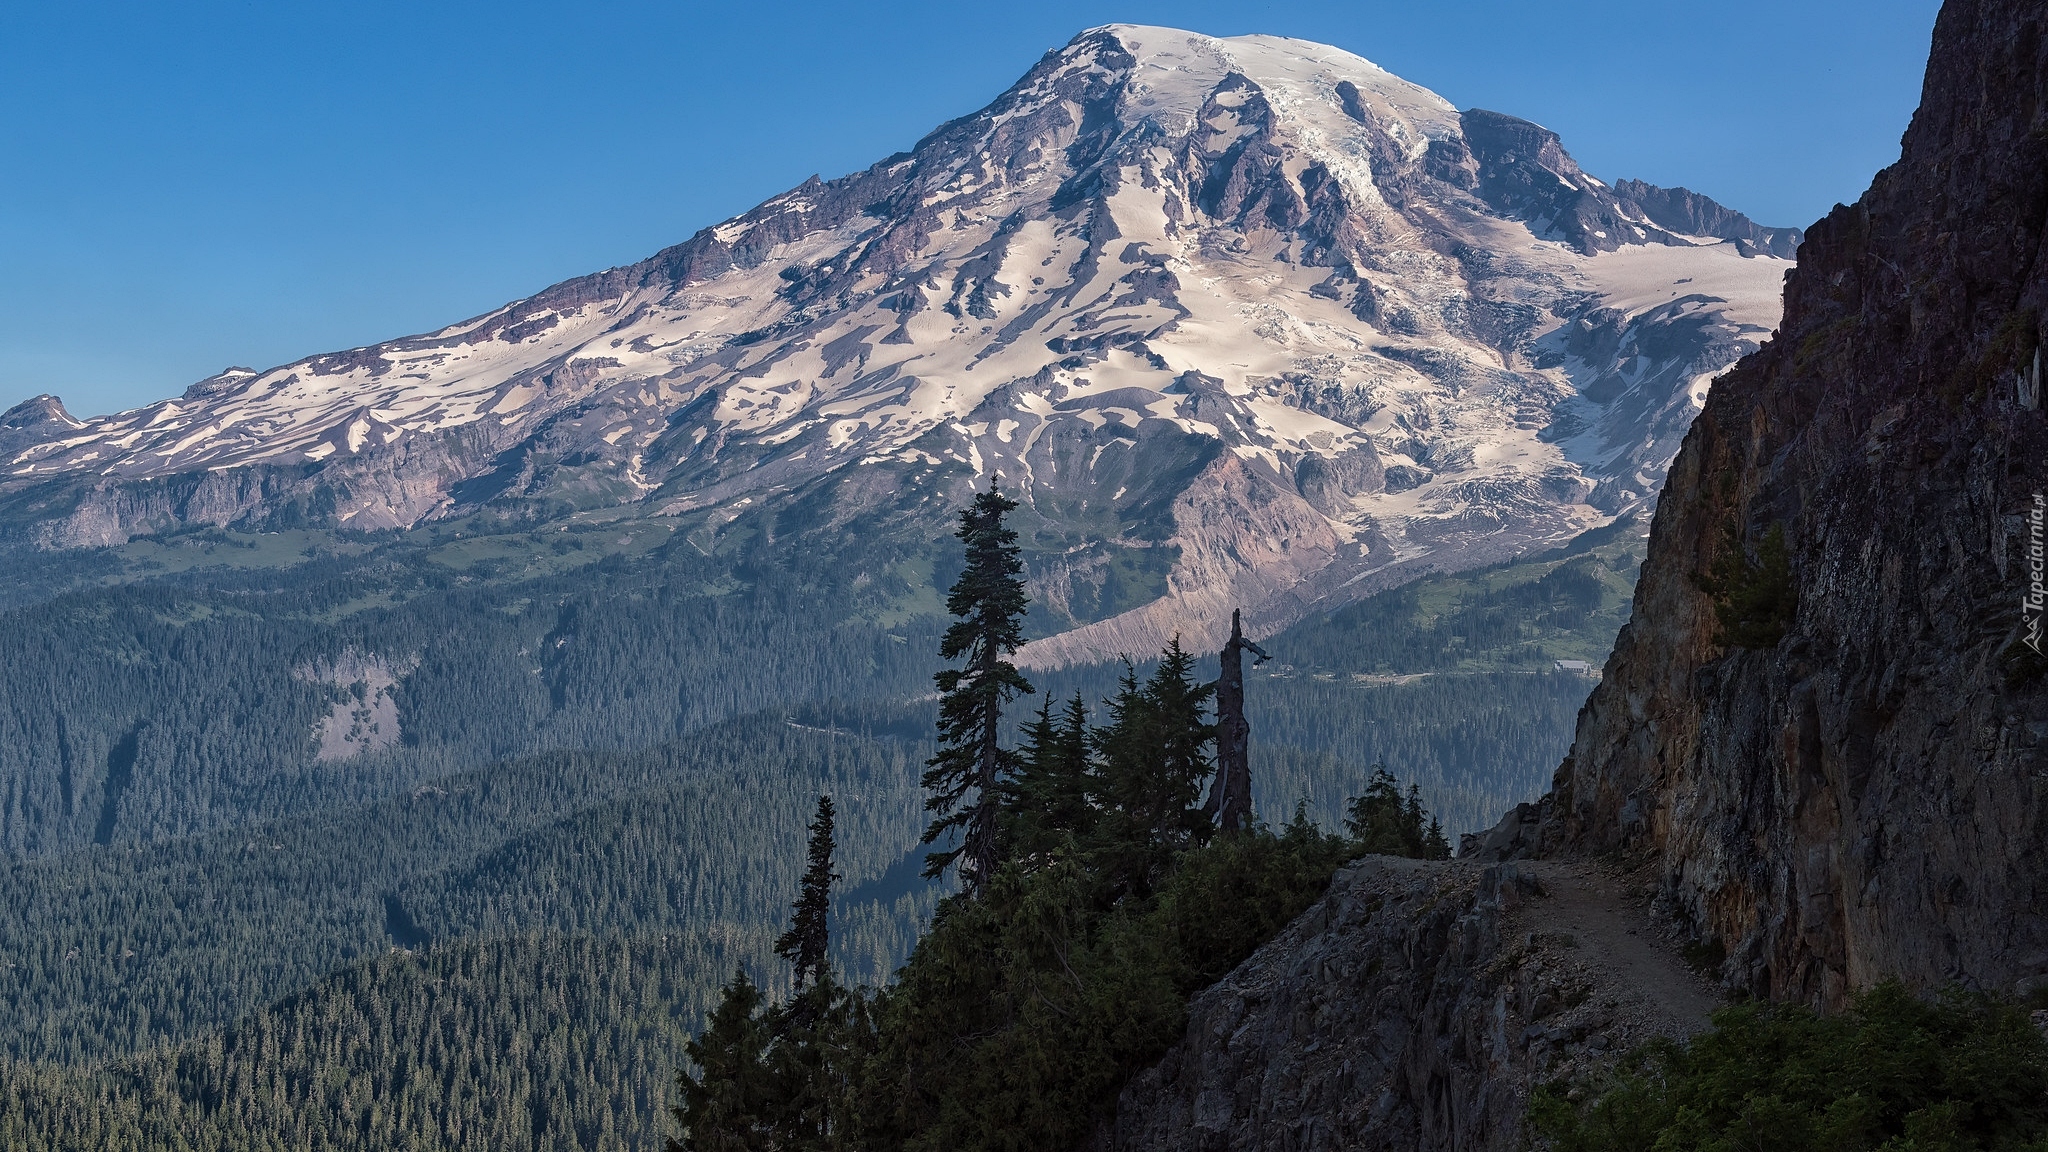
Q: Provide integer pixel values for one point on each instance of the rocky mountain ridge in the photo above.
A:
(1252, 315)
(1854, 791)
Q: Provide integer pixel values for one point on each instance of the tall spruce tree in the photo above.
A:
(809, 937)
(964, 781)
(1151, 765)
(824, 1034)
(1181, 735)
(733, 1101)
(1048, 805)
(777, 1077)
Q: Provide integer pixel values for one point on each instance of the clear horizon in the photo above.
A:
(225, 184)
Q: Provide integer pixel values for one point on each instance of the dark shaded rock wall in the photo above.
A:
(1686, 212)
(1856, 797)
(1414, 1007)
(1866, 798)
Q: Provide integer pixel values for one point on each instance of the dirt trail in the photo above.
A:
(1599, 921)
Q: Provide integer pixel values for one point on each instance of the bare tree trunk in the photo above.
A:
(1230, 797)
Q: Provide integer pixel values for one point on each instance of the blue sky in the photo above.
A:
(185, 186)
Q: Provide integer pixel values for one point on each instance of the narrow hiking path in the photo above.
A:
(1600, 921)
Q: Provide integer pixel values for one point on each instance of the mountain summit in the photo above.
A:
(1251, 318)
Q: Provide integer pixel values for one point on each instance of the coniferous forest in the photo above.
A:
(452, 838)
(1098, 891)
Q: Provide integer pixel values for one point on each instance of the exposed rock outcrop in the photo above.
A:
(1414, 1007)
(34, 420)
(1522, 169)
(1863, 797)
(1687, 213)
(363, 716)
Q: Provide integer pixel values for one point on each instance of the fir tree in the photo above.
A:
(1378, 820)
(1435, 845)
(809, 935)
(1048, 804)
(964, 780)
(781, 1078)
(1384, 822)
(1151, 767)
(1182, 734)
(732, 1102)
(824, 1035)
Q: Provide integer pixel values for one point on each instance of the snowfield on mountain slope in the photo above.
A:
(1639, 277)
(1418, 332)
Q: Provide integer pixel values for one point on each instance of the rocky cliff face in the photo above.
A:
(1863, 795)
(1821, 743)
(1414, 1007)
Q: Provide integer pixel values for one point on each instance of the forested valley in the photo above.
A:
(498, 924)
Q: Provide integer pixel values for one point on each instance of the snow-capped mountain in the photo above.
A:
(1299, 327)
